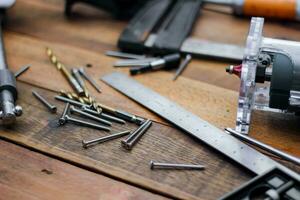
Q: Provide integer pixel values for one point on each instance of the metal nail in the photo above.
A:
(85, 123)
(22, 70)
(157, 165)
(85, 143)
(51, 107)
(75, 110)
(129, 142)
(181, 68)
(105, 116)
(77, 76)
(90, 79)
(72, 102)
(62, 119)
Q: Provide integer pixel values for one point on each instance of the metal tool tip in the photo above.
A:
(151, 164)
(84, 144)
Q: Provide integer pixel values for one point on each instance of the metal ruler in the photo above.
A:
(192, 124)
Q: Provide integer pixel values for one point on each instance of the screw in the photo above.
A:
(72, 102)
(129, 142)
(51, 107)
(85, 123)
(157, 165)
(85, 144)
(75, 110)
(108, 117)
(62, 119)
(90, 79)
(22, 70)
(183, 65)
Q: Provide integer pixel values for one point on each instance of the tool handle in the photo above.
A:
(281, 9)
(172, 60)
(133, 37)
(177, 26)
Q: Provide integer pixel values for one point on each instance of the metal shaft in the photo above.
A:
(22, 70)
(77, 76)
(82, 113)
(118, 113)
(3, 64)
(87, 124)
(8, 93)
(157, 165)
(62, 119)
(90, 79)
(65, 72)
(103, 115)
(51, 108)
(182, 67)
(85, 143)
(124, 55)
(129, 142)
(72, 102)
(263, 146)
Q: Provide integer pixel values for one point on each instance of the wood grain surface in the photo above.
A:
(30, 175)
(204, 89)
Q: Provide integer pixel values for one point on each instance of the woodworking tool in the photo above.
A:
(8, 89)
(129, 142)
(167, 30)
(118, 113)
(22, 70)
(86, 144)
(166, 62)
(226, 144)
(159, 165)
(263, 146)
(277, 9)
(119, 54)
(103, 115)
(270, 76)
(61, 67)
(62, 119)
(275, 184)
(90, 79)
(51, 108)
(87, 115)
(182, 66)
(85, 123)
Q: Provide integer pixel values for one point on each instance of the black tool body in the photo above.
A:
(176, 27)
(121, 9)
(135, 34)
(160, 27)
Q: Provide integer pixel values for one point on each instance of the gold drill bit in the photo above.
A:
(65, 72)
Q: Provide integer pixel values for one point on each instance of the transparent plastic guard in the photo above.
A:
(247, 88)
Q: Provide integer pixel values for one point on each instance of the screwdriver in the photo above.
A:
(280, 9)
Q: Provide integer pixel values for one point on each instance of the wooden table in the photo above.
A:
(39, 159)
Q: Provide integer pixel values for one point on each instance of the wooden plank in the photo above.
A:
(214, 104)
(38, 129)
(25, 174)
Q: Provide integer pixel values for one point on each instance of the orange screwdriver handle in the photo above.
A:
(280, 9)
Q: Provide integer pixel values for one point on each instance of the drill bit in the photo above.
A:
(61, 67)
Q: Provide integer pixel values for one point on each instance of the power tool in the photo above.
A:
(270, 76)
